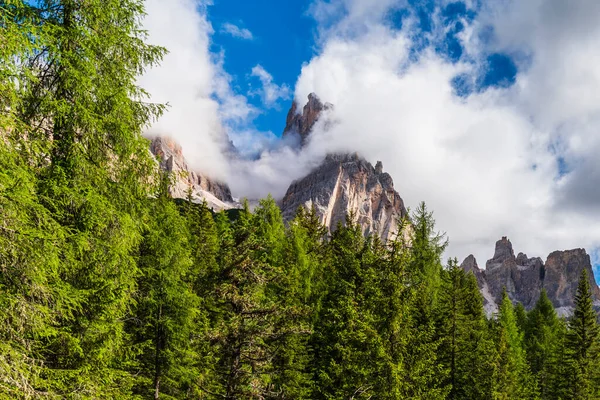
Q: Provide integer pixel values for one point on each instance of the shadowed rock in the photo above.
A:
(302, 123)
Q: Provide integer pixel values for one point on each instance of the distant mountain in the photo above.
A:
(301, 123)
(342, 184)
(216, 194)
(348, 184)
(524, 278)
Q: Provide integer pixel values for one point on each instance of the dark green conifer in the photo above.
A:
(165, 317)
(542, 336)
(583, 345)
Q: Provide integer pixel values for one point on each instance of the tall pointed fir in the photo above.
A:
(466, 348)
(163, 321)
(513, 378)
(542, 342)
(424, 375)
(348, 349)
(583, 344)
(249, 321)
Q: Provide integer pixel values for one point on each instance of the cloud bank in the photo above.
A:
(516, 160)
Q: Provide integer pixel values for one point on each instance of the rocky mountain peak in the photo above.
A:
(524, 277)
(344, 184)
(470, 264)
(302, 123)
(504, 252)
(170, 156)
(561, 276)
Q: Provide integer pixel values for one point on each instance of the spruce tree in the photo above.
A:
(425, 377)
(542, 337)
(582, 342)
(466, 349)
(513, 378)
(348, 349)
(249, 320)
(76, 118)
(165, 316)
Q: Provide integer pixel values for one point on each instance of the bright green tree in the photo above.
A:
(513, 378)
(349, 351)
(542, 341)
(76, 117)
(466, 348)
(583, 345)
(249, 320)
(166, 307)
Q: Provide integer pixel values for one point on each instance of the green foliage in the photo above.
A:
(466, 347)
(542, 342)
(111, 289)
(165, 317)
(513, 378)
(583, 346)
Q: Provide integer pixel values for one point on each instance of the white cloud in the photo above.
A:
(193, 82)
(483, 164)
(237, 32)
(269, 92)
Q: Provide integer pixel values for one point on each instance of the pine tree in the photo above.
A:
(76, 117)
(521, 316)
(513, 378)
(424, 376)
(302, 289)
(465, 349)
(165, 314)
(427, 246)
(542, 342)
(557, 372)
(249, 319)
(30, 258)
(349, 352)
(582, 342)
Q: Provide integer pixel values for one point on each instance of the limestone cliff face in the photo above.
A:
(302, 123)
(344, 184)
(524, 278)
(216, 194)
(562, 272)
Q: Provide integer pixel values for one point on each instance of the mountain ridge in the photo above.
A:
(524, 278)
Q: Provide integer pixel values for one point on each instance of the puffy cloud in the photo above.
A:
(269, 92)
(235, 31)
(518, 160)
(192, 81)
(492, 163)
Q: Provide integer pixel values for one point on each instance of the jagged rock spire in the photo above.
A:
(524, 278)
(302, 123)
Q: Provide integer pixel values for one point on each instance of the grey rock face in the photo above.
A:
(344, 184)
(302, 123)
(524, 278)
(562, 272)
(503, 253)
(169, 153)
(469, 265)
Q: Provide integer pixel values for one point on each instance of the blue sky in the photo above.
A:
(283, 38)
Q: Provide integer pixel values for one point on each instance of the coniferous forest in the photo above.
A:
(110, 289)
